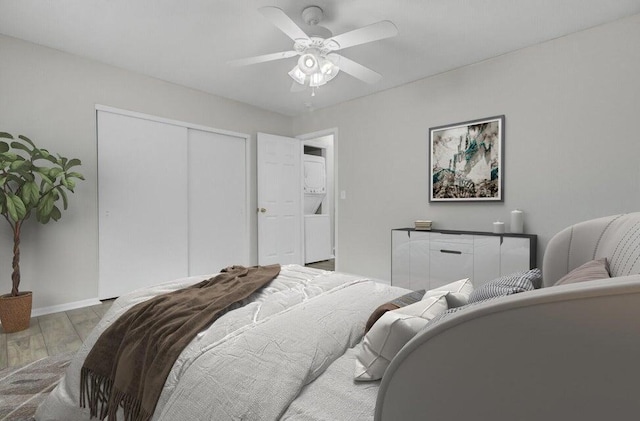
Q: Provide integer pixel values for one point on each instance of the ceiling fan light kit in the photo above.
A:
(318, 63)
(308, 63)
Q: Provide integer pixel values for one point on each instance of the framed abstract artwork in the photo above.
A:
(466, 161)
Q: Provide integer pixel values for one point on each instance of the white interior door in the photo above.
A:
(218, 234)
(142, 194)
(279, 199)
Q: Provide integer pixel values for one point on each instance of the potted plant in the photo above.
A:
(32, 182)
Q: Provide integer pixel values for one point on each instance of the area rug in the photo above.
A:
(23, 388)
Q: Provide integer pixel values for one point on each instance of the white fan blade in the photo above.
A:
(283, 22)
(262, 58)
(373, 32)
(355, 69)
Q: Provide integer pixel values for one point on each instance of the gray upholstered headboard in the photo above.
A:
(615, 237)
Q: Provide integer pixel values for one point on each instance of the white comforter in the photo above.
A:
(254, 361)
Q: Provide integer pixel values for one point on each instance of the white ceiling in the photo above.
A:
(189, 42)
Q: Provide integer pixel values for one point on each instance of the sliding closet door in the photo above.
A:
(218, 234)
(143, 212)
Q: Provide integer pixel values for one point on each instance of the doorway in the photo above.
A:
(322, 144)
(280, 188)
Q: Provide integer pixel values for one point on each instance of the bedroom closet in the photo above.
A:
(172, 200)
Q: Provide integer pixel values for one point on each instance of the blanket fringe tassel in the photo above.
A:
(97, 391)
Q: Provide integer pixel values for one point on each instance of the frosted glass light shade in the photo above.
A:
(313, 71)
(317, 79)
(308, 64)
(297, 75)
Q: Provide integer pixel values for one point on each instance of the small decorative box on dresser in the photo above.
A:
(428, 259)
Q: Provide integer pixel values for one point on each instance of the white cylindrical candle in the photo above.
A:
(517, 221)
(498, 227)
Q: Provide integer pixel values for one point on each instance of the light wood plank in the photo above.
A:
(50, 335)
(33, 329)
(83, 321)
(324, 265)
(4, 359)
(25, 349)
(101, 309)
(59, 334)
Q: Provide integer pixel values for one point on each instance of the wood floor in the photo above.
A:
(49, 335)
(324, 265)
(58, 333)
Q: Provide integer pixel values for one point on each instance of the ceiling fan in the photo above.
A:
(318, 62)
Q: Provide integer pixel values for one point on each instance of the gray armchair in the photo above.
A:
(568, 352)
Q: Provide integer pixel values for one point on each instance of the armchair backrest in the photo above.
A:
(615, 237)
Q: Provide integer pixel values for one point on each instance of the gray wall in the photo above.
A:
(571, 145)
(571, 148)
(50, 97)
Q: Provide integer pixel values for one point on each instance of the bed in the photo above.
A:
(290, 350)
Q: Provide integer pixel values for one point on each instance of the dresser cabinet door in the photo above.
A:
(451, 258)
(410, 259)
(486, 258)
(515, 255)
(400, 258)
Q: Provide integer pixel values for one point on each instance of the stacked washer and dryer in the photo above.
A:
(317, 222)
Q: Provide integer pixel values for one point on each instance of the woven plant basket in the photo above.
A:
(15, 312)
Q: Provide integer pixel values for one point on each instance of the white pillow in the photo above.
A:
(459, 292)
(391, 332)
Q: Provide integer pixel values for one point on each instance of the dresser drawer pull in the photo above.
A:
(450, 251)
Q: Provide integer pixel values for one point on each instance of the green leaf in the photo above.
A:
(18, 145)
(75, 175)
(54, 172)
(16, 208)
(51, 159)
(5, 135)
(11, 209)
(26, 139)
(42, 170)
(30, 193)
(13, 178)
(55, 213)
(70, 184)
(65, 200)
(4, 147)
(44, 207)
(43, 219)
(17, 164)
(72, 163)
(9, 156)
(45, 180)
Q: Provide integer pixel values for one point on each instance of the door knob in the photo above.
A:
(263, 210)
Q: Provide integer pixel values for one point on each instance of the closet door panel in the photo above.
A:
(217, 202)
(142, 193)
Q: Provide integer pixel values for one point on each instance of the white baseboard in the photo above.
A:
(64, 307)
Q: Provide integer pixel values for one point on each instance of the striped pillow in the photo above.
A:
(507, 285)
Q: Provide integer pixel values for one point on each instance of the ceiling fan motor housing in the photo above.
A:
(312, 15)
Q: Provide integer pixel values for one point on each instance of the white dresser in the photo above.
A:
(428, 259)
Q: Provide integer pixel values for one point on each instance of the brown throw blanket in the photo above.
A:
(130, 361)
